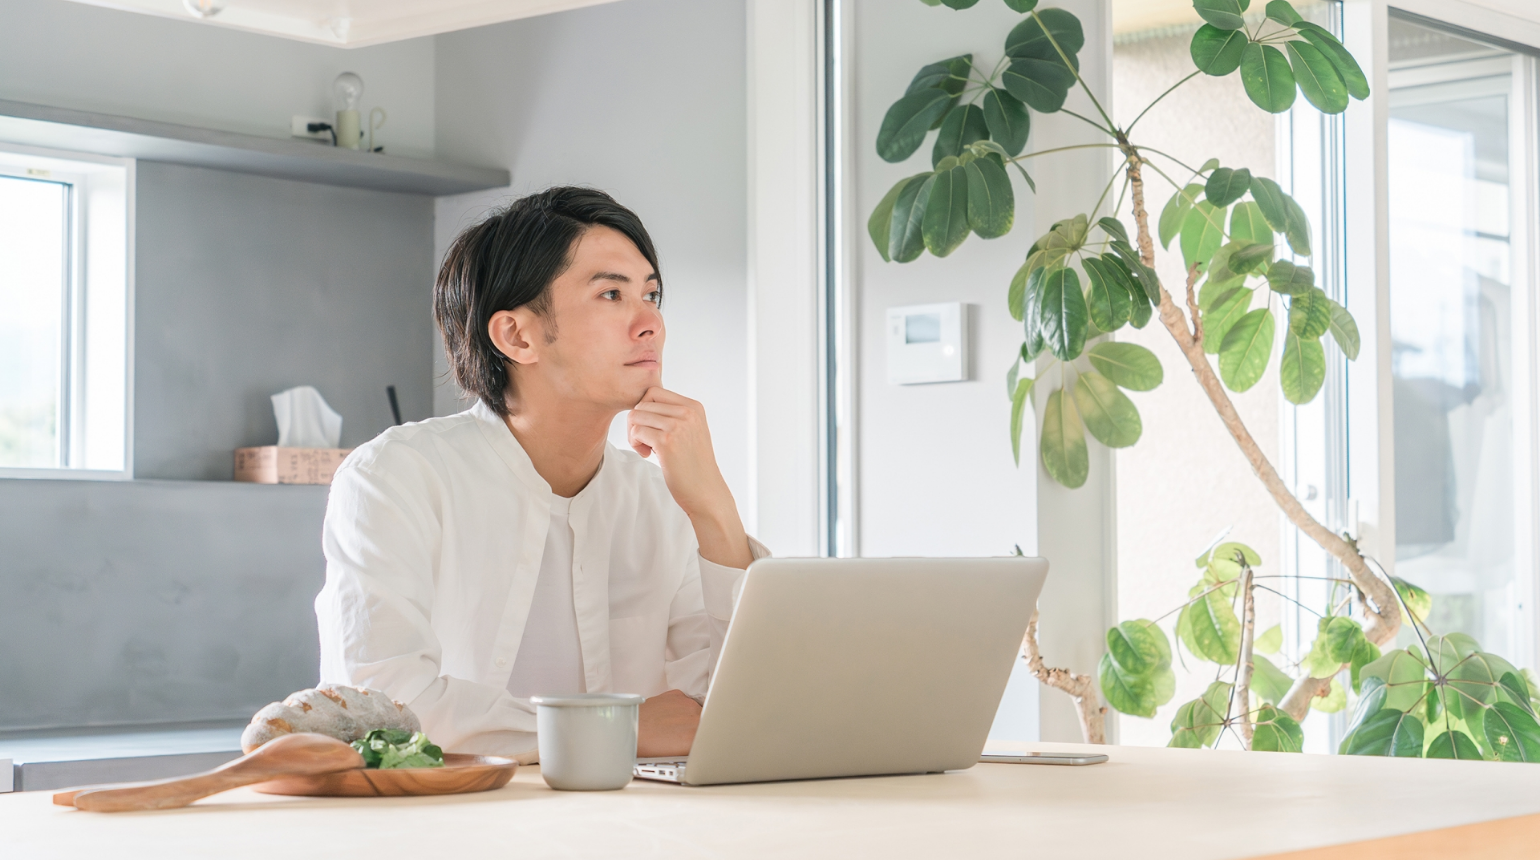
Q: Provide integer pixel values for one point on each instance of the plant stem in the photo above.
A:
(1088, 121)
(1246, 666)
(1063, 57)
(1064, 149)
(1081, 688)
(1158, 98)
(1376, 596)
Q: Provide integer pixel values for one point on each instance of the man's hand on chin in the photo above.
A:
(667, 725)
(675, 427)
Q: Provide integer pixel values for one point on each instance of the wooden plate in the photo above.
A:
(461, 774)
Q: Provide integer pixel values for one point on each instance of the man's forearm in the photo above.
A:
(722, 537)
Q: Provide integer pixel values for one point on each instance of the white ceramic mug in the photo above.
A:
(587, 740)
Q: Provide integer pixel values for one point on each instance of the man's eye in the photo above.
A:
(655, 296)
(612, 295)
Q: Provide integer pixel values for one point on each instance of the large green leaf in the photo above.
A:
(960, 4)
(880, 225)
(1030, 39)
(1269, 682)
(1202, 233)
(1248, 225)
(1303, 368)
(1108, 413)
(1042, 84)
(1387, 732)
(1223, 14)
(1342, 637)
(1347, 67)
(991, 201)
(1128, 364)
(1137, 695)
(1511, 733)
(1417, 599)
(1106, 299)
(1317, 77)
(1139, 647)
(1310, 313)
(961, 127)
(1022, 6)
(1199, 722)
(1454, 744)
(1272, 201)
(1175, 212)
(1113, 228)
(945, 223)
(1140, 310)
(1063, 314)
(1344, 331)
(1226, 185)
(1227, 310)
(1217, 52)
(1404, 675)
(1214, 633)
(1367, 653)
(1270, 641)
(1290, 280)
(908, 120)
(1276, 731)
(1016, 294)
(1062, 442)
(1032, 315)
(1245, 350)
(1020, 397)
(1266, 75)
(1283, 12)
(1296, 227)
(906, 240)
(950, 75)
(1515, 689)
(1007, 120)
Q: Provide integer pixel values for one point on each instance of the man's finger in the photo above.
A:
(653, 420)
(660, 408)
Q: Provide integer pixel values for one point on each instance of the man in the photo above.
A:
(476, 560)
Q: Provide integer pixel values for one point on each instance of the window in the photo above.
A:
(1455, 330)
(64, 321)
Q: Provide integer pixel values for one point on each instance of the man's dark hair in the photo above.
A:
(509, 260)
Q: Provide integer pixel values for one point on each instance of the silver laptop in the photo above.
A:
(859, 667)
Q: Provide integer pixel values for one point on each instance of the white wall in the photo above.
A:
(90, 58)
(643, 99)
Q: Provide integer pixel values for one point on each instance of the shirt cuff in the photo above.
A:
(720, 585)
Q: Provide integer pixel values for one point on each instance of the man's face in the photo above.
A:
(603, 341)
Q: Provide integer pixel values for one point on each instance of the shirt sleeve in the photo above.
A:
(381, 539)
(698, 620)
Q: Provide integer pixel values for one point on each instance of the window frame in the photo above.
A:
(100, 281)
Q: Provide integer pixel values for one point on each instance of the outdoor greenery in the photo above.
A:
(1246, 248)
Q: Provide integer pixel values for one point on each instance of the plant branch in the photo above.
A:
(1157, 100)
(1063, 149)
(1376, 597)
(1246, 665)
(1081, 688)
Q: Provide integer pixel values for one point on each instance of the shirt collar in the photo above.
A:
(507, 446)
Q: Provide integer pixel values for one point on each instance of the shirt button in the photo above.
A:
(501, 662)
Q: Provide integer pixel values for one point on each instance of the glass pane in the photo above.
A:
(33, 243)
(1451, 328)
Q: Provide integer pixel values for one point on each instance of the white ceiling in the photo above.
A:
(351, 23)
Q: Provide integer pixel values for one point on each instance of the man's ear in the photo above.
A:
(515, 334)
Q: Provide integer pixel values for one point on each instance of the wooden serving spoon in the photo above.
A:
(301, 754)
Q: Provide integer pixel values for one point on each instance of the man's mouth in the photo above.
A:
(649, 362)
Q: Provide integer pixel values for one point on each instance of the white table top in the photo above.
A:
(1145, 803)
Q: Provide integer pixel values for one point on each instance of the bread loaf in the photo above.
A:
(344, 713)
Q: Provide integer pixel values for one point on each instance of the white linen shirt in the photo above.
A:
(433, 538)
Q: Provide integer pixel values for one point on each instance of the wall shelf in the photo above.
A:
(128, 137)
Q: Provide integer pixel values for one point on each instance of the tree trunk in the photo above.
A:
(1382, 614)
(1081, 688)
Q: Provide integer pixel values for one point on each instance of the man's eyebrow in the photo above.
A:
(616, 276)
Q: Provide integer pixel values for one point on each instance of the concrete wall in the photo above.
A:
(247, 286)
(153, 602)
(90, 58)
(643, 99)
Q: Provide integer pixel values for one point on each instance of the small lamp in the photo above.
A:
(346, 91)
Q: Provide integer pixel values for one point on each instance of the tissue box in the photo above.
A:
(271, 464)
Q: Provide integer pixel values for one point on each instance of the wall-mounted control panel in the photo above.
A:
(927, 343)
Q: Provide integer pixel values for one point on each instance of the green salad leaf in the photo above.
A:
(390, 748)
